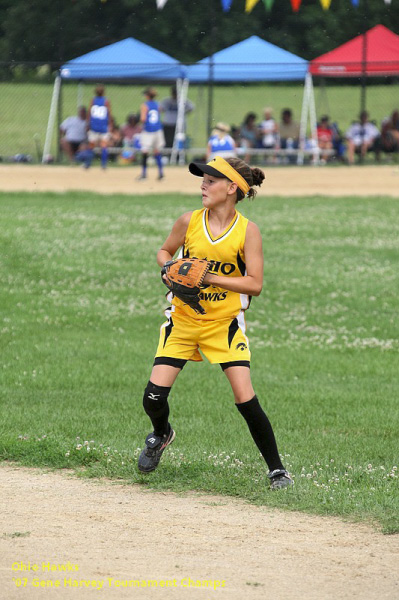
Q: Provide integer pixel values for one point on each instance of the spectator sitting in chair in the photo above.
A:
(249, 134)
(338, 142)
(74, 133)
(221, 143)
(130, 133)
(269, 130)
(130, 129)
(325, 138)
(115, 139)
(362, 137)
(289, 130)
(390, 133)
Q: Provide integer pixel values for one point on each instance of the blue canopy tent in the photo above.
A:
(255, 60)
(128, 60)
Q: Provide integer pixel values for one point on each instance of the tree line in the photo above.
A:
(188, 30)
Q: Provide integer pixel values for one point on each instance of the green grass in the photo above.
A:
(25, 106)
(81, 303)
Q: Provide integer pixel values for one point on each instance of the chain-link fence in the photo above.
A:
(25, 107)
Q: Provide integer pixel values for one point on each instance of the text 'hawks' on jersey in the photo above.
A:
(226, 255)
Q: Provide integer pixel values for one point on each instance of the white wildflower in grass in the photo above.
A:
(330, 300)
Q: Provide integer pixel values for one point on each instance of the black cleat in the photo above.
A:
(279, 478)
(154, 447)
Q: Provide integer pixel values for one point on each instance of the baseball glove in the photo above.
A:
(184, 277)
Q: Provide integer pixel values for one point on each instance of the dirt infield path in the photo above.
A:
(293, 181)
(104, 534)
(108, 533)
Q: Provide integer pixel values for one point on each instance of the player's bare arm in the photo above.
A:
(88, 114)
(174, 240)
(143, 113)
(251, 283)
(108, 105)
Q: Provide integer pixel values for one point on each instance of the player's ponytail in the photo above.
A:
(253, 176)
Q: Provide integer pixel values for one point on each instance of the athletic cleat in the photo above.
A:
(154, 447)
(279, 478)
(141, 177)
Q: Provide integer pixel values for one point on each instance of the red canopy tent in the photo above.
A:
(374, 53)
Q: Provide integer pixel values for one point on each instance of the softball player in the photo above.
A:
(152, 135)
(99, 120)
(233, 245)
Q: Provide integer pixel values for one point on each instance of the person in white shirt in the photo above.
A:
(361, 136)
(269, 129)
(74, 133)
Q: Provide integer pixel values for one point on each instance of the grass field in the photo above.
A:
(80, 306)
(25, 106)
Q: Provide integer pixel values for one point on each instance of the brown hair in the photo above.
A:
(150, 92)
(253, 176)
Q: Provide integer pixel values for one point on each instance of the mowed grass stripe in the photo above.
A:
(81, 303)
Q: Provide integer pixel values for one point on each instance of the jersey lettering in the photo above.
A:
(226, 257)
(225, 268)
(99, 112)
(213, 296)
(153, 116)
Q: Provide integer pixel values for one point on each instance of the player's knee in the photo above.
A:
(155, 398)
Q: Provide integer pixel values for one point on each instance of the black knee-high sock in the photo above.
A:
(155, 402)
(261, 431)
(144, 162)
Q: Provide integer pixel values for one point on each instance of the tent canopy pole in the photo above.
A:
(51, 119)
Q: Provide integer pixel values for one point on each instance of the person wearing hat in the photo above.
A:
(221, 143)
(152, 137)
(232, 244)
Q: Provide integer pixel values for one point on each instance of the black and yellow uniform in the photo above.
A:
(220, 332)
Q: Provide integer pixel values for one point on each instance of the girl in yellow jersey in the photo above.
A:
(233, 246)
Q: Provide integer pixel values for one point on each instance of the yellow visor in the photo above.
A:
(218, 167)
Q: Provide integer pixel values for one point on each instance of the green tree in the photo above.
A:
(188, 30)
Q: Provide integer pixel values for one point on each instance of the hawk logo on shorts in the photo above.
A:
(241, 346)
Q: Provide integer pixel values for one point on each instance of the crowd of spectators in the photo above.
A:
(281, 138)
(268, 138)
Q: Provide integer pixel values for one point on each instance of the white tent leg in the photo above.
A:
(180, 135)
(303, 123)
(308, 109)
(51, 118)
(313, 122)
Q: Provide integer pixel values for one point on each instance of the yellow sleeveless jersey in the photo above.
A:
(226, 255)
